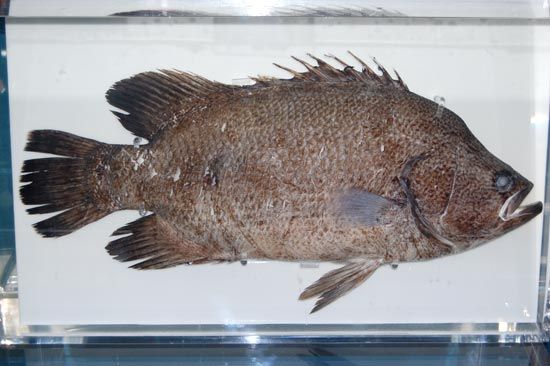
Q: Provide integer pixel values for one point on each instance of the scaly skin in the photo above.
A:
(257, 174)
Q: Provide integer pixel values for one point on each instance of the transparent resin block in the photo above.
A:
(487, 62)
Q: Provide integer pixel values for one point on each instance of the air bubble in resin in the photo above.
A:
(137, 142)
(142, 210)
(440, 105)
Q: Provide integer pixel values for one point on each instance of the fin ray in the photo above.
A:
(336, 283)
(150, 100)
(362, 207)
(156, 244)
(324, 72)
(61, 183)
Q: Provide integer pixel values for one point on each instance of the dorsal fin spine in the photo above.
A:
(324, 72)
(363, 64)
(385, 75)
(289, 70)
(338, 60)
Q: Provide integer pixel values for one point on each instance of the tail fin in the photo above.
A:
(61, 183)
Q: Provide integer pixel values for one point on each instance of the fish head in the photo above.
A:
(486, 200)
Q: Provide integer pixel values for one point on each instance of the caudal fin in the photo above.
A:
(61, 183)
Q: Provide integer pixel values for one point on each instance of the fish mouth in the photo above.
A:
(511, 208)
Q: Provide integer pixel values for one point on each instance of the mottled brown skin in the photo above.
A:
(332, 165)
(281, 154)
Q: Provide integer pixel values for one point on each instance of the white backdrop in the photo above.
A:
(495, 77)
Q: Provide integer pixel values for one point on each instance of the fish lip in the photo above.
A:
(511, 208)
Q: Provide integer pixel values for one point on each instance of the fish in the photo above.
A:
(334, 164)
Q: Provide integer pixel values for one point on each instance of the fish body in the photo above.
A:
(331, 165)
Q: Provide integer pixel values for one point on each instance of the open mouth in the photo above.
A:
(511, 208)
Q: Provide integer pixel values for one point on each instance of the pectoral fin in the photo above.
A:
(361, 207)
(339, 282)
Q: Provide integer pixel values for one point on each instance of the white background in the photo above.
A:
(495, 77)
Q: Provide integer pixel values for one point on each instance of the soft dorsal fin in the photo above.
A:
(152, 100)
(325, 72)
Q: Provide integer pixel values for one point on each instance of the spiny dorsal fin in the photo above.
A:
(153, 100)
(324, 72)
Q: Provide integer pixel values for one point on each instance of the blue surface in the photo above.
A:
(344, 355)
(7, 237)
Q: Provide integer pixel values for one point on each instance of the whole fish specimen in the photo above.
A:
(332, 165)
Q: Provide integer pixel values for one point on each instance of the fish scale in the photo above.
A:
(332, 165)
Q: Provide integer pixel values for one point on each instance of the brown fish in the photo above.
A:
(332, 165)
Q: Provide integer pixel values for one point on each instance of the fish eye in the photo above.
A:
(503, 181)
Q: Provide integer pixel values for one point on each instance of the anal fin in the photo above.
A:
(157, 245)
(336, 283)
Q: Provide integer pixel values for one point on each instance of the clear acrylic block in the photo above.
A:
(488, 62)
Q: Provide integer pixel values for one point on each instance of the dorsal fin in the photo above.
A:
(152, 100)
(325, 72)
